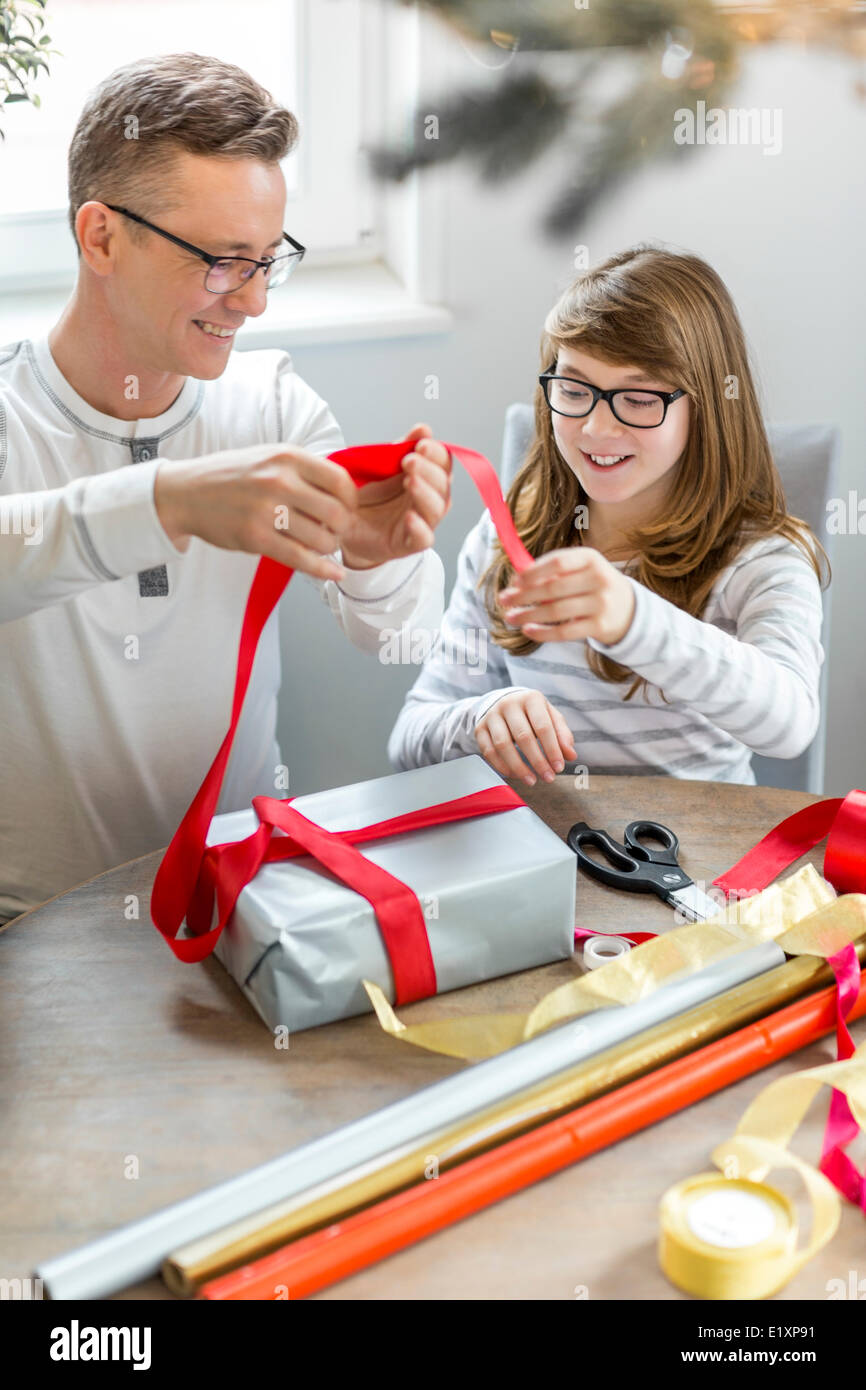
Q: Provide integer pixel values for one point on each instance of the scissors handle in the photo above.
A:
(668, 840)
(623, 870)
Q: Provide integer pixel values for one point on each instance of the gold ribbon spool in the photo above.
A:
(743, 1242)
(726, 1238)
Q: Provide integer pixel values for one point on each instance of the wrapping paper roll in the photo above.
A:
(349, 1245)
(136, 1251)
(333, 1201)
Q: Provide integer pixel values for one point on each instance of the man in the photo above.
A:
(144, 468)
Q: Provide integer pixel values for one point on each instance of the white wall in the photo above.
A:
(785, 232)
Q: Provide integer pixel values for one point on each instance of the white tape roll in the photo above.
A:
(598, 950)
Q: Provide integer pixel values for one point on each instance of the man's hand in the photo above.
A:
(570, 595)
(398, 516)
(525, 722)
(269, 500)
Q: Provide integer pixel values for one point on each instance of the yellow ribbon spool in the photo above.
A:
(730, 1235)
(726, 1237)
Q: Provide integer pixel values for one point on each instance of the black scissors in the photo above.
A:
(639, 869)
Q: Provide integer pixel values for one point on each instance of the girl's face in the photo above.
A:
(648, 456)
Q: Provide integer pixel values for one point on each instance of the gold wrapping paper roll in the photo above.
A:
(187, 1268)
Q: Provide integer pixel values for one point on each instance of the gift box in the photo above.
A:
(496, 892)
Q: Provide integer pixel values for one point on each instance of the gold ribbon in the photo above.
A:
(801, 913)
(701, 1249)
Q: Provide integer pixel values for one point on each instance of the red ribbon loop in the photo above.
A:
(192, 874)
(841, 819)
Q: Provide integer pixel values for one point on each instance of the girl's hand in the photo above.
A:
(398, 516)
(568, 595)
(522, 721)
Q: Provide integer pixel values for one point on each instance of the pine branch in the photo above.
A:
(504, 130)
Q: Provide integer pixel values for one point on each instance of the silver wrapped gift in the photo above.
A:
(497, 892)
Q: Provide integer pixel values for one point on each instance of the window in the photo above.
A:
(309, 55)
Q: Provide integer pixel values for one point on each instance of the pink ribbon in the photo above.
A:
(841, 1124)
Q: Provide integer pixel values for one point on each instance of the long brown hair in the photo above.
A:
(670, 314)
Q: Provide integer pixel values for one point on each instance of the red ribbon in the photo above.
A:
(191, 874)
(635, 937)
(842, 1127)
(843, 820)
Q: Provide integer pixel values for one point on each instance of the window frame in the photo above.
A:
(40, 245)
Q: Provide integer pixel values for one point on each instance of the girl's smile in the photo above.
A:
(604, 462)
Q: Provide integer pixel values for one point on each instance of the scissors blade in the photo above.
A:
(693, 903)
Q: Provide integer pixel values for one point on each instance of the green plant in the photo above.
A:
(22, 54)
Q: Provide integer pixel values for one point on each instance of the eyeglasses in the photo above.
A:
(227, 273)
(641, 410)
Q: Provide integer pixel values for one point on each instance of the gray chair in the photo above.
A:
(807, 457)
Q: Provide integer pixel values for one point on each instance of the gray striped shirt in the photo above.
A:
(742, 678)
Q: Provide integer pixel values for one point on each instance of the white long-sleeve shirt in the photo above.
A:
(117, 649)
(742, 678)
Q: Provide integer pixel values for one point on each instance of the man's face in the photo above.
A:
(158, 295)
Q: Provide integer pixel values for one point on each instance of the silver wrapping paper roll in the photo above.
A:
(136, 1251)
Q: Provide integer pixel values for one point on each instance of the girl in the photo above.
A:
(672, 621)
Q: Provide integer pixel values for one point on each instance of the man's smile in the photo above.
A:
(215, 331)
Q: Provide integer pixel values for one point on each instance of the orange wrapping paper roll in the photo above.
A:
(343, 1249)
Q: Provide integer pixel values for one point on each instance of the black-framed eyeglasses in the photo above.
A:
(641, 410)
(228, 273)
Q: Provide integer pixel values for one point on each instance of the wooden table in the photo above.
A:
(117, 1060)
